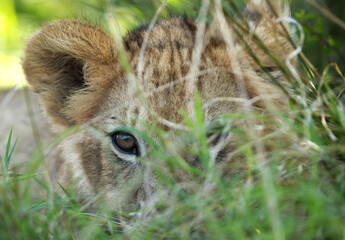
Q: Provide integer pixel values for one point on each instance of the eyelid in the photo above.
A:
(126, 129)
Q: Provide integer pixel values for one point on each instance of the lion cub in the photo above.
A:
(76, 71)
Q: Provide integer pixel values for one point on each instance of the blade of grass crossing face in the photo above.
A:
(25, 177)
(41, 184)
(74, 203)
(200, 131)
(12, 175)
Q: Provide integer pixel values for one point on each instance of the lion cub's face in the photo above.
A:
(75, 69)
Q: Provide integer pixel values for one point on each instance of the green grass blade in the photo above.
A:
(8, 148)
(15, 166)
(8, 158)
(24, 177)
(74, 203)
(41, 184)
(11, 175)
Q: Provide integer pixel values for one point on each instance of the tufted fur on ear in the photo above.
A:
(263, 16)
(70, 65)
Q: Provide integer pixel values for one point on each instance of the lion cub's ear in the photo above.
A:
(266, 19)
(70, 65)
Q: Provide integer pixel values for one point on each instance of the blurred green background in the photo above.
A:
(18, 18)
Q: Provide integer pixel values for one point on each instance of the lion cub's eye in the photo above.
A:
(125, 143)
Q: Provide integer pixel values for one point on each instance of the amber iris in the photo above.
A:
(125, 142)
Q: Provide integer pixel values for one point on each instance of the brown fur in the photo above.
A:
(75, 70)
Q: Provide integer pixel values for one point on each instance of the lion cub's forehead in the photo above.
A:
(162, 67)
(177, 30)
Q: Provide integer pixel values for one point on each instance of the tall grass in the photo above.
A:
(296, 190)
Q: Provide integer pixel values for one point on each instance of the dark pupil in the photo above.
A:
(125, 142)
